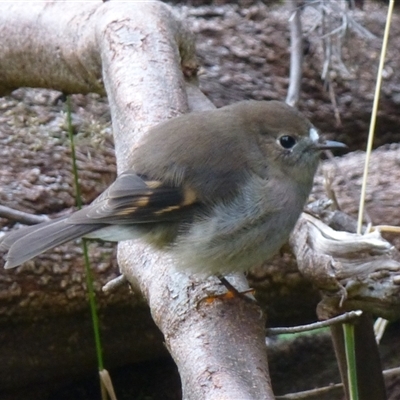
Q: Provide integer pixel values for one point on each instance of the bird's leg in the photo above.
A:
(232, 291)
(230, 294)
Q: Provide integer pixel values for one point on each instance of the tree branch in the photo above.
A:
(296, 54)
(143, 53)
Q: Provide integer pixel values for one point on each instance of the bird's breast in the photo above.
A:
(243, 233)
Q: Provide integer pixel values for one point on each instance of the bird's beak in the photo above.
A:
(329, 145)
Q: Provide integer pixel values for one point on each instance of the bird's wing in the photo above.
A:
(135, 199)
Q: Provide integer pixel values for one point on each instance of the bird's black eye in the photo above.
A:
(287, 142)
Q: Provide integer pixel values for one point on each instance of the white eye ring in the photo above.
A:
(313, 134)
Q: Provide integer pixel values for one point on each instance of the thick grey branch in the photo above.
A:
(143, 53)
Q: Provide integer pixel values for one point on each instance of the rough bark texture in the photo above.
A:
(245, 53)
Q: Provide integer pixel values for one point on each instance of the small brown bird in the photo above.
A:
(220, 190)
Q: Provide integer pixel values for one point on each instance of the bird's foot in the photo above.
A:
(230, 294)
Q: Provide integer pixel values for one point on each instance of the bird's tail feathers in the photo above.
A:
(28, 242)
